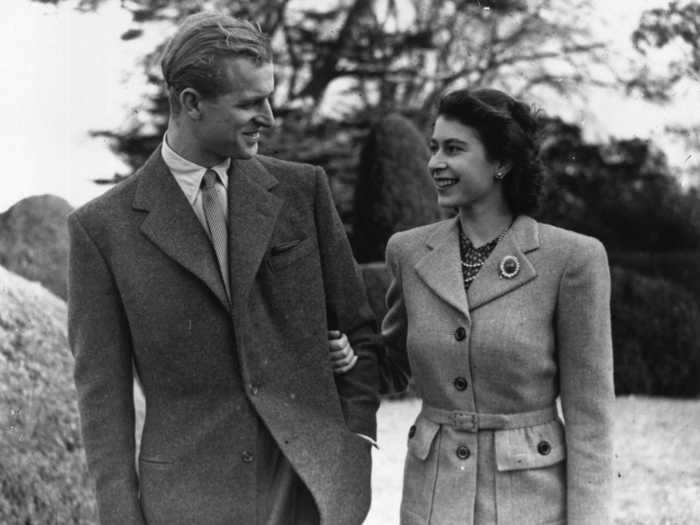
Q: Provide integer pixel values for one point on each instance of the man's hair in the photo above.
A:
(193, 58)
(509, 131)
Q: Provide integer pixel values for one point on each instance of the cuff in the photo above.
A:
(369, 440)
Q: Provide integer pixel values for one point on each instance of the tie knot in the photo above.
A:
(209, 180)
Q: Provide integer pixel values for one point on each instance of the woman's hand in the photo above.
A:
(343, 357)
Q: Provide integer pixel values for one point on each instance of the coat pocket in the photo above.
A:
(530, 447)
(531, 474)
(420, 470)
(285, 253)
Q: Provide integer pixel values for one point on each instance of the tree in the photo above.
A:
(382, 56)
(621, 192)
(394, 190)
(678, 25)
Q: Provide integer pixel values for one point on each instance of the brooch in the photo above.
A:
(509, 267)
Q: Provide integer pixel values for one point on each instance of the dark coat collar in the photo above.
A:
(172, 225)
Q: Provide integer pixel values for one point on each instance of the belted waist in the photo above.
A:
(475, 421)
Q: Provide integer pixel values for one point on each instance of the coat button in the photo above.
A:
(254, 390)
(463, 452)
(460, 333)
(247, 457)
(412, 431)
(544, 448)
(461, 383)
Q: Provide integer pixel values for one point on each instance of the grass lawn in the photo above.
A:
(657, 461)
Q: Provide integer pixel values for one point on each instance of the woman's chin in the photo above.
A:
(446, 202)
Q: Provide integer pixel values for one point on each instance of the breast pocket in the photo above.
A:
(285, 253)
(531, 474)
(420, 471)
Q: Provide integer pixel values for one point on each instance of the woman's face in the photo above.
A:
(463, 175)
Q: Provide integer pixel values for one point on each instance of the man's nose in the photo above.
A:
(265, 116)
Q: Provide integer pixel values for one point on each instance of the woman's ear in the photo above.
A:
(503, 169)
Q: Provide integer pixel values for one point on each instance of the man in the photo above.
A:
(214, 274)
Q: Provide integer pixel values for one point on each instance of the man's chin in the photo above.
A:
(247, 152)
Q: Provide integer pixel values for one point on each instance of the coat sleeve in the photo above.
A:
(586, 383)
(395, 366)
(101, 345)
(348, 310)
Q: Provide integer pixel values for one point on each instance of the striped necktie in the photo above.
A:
(216, 222)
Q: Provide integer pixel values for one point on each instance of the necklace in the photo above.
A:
(472, 258)
(488, 247)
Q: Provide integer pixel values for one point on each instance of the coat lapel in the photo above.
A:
(172, 225)
(253, 211)
(440, 268)
(521, 238)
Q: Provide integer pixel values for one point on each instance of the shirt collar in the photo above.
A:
(188, 174)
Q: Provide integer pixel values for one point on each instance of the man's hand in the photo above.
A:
(343, 357)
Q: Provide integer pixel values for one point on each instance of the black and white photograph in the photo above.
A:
(381, 262)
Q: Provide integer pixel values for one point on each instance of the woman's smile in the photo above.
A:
(443, 182)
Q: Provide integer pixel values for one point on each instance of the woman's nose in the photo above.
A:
(436, 163)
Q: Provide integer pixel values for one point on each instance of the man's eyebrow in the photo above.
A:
(255, 97)
(252, 98)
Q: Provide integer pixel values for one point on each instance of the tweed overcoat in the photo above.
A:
(146, 295)
(504, 350)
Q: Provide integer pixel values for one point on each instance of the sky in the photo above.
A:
(65, 73)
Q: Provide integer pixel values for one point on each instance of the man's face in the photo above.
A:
(230, 124)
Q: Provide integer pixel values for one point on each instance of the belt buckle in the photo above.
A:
(467, 421)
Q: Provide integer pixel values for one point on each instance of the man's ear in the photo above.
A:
(190, 101)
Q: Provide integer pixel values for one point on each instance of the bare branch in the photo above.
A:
(324, 71)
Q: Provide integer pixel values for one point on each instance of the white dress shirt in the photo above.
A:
(188, 176)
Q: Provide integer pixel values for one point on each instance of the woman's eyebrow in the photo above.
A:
(452, 141)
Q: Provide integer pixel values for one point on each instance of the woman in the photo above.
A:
(496, 315)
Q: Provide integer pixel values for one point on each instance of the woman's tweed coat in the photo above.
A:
(506, 346)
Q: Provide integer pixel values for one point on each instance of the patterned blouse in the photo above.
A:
(473, 258)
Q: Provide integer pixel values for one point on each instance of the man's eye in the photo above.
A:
(250, 105)
(452, 149)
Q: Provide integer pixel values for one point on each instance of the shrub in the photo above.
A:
(678, 267)
(377, 279)
(34, 241)
(656, 336)
(394, 191)
(43, 476)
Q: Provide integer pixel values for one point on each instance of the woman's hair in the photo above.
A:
(508, 130)
(193, 56)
